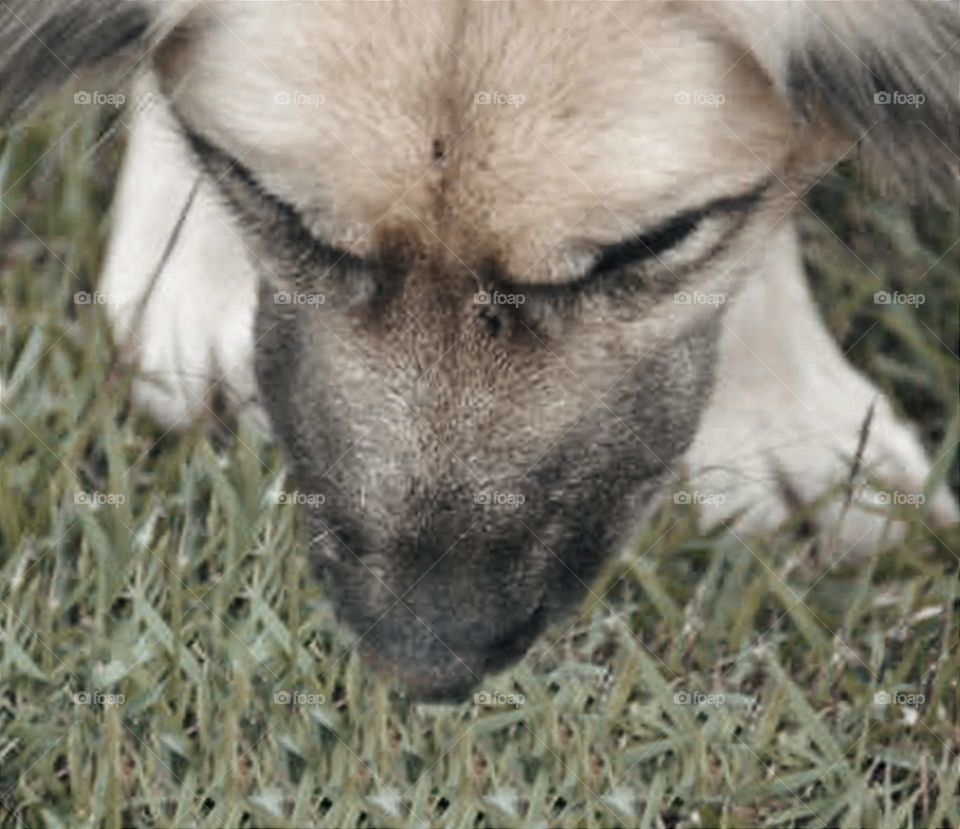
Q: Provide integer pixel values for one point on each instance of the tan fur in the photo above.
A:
(598, 149)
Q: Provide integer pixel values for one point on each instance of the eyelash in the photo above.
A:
(257, 205)
(620, 269)
(649, 246)
(676, 230)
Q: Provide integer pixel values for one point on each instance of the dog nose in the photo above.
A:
(434, 662)
(429, 669)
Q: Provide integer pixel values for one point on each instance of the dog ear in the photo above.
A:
(43, 43)
(882, 74)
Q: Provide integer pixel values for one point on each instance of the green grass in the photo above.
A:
(193, 600)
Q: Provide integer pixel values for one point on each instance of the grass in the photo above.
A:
(192, 600)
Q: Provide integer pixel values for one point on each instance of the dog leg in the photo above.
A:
(786, 419)
(190, 330)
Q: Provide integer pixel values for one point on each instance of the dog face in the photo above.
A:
(495, 243)
(473, 337)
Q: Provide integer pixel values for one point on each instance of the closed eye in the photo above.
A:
(267, 214)
(720, 217)
(651, 263)
(637, 249)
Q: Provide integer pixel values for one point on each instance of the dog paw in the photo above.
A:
(846, 470)
(794, 433)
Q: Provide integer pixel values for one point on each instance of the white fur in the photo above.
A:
(197, 327)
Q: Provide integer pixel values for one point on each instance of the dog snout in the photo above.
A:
(440, 660)
(438, 618)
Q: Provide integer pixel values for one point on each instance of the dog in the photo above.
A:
(497, 276)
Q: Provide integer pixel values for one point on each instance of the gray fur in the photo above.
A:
(849, 59)
(43, 43)
(830, 59)
(442, 588)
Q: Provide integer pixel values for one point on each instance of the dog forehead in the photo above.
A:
(510, 131)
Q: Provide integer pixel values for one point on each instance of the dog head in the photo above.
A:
(495, 244)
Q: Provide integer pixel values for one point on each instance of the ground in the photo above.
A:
(716, 681)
